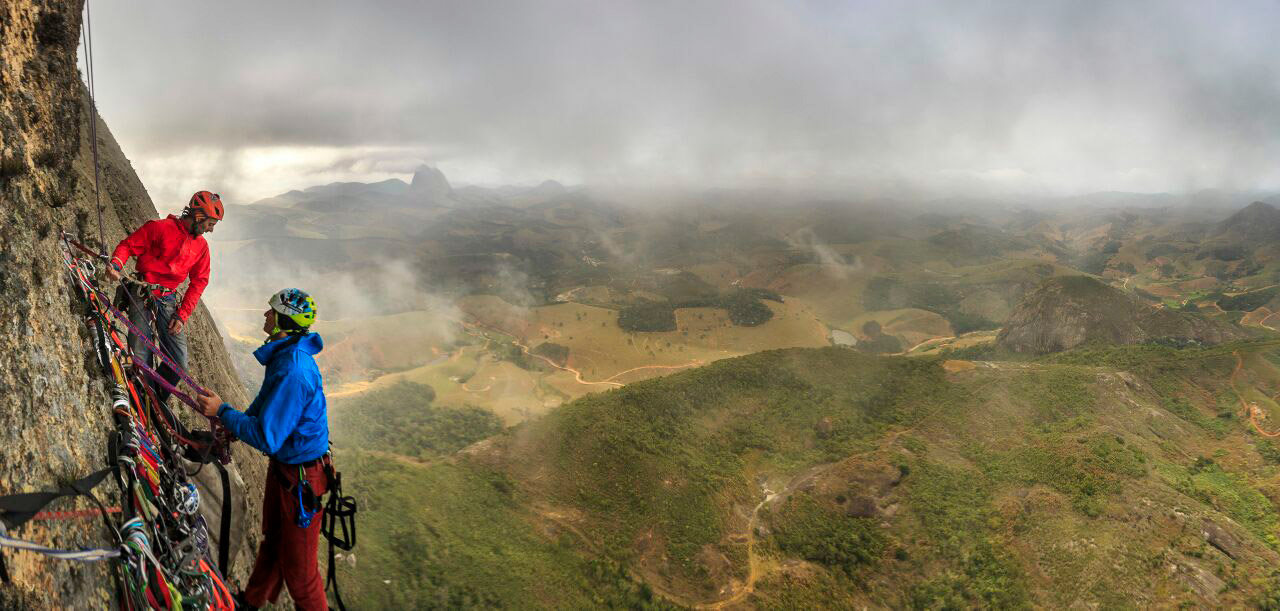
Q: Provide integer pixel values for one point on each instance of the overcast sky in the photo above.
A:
(255, 98)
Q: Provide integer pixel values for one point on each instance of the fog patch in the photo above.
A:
(383, 288)
(617, 252)
(805, 240)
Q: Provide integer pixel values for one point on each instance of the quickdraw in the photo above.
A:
(160, 552)
(308, 503)
(98, 294)
(162, 543)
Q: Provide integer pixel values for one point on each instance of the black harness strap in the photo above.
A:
(113, 463)
(224, 522)
(18, 509)
(330, 580)
(339, 512)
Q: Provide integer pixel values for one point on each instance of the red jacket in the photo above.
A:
(167, 255)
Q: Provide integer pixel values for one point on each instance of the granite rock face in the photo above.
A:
(1069, 311)
(429, 185)
(54, 407)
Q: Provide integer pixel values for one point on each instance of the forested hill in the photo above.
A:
(809, 478)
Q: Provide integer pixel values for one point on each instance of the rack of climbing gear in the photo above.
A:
(160, 548)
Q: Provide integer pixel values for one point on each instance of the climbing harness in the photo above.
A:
(338, 525)
(160, 554)
(337, 522)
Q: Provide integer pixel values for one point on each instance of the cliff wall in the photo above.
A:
(54, 407)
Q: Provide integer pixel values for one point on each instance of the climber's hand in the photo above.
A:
(209, 404)
(175, 326)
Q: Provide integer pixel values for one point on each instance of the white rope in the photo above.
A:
(83, 555)
(93, 116)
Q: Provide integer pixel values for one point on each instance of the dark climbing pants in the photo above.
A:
(175, 346)
(287, 555)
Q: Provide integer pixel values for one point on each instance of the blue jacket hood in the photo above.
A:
(309, 344)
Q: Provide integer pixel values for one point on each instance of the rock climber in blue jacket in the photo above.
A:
(288, 422)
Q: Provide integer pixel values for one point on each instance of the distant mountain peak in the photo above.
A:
(1257, 221)
(1257, 210)
(430, 182)
(549, 187)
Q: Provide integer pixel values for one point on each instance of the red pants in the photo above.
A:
(287, 555)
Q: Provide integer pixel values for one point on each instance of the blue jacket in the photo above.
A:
(288, 419)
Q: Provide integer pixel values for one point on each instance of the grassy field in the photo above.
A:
(452, 536)
(472, 376)
(490, 370)
(404, 419)
(833, 294)
(603, 352)
(968, 340)
(910, 325)
(437, 533)
(479, 365)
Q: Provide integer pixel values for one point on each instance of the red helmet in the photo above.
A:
(206, 203)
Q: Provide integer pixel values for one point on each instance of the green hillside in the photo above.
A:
(827, 477)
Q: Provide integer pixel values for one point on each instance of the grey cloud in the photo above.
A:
(393, 161)
(941, 94)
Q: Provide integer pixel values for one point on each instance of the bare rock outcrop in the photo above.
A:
(1069, 311)
(430, 185)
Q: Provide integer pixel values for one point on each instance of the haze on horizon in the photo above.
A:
(876, 98)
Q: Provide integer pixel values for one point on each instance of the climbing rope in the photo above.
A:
(83, 270)
(87, 38)
(161, 557)
(83, 555)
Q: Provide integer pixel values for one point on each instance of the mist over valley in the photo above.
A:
(817, 370)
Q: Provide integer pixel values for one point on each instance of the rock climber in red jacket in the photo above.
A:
(169, 251)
